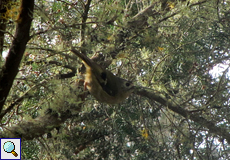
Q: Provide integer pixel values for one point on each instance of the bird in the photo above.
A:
(103, 84)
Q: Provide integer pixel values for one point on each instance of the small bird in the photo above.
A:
(103, 84)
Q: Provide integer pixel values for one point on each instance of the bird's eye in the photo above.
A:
(127, 84)
(103, 76)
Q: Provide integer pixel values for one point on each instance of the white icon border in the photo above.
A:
(9, 156)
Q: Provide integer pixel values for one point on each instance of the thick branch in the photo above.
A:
(19, 100)
(83, 27)
(2, 24)
(10, 69)
(30, 129)
(60, 76)
(195, 117)
(57, 113)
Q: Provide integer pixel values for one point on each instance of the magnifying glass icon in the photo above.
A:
(9, 147)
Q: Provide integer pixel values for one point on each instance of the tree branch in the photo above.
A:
(19, 100)
(192, 116)
(83, 26)
(30, 129)
(60, 76)
(10, 69)
(3, 21)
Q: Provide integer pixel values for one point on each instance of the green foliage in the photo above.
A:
(173, 53)
(30, 150)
